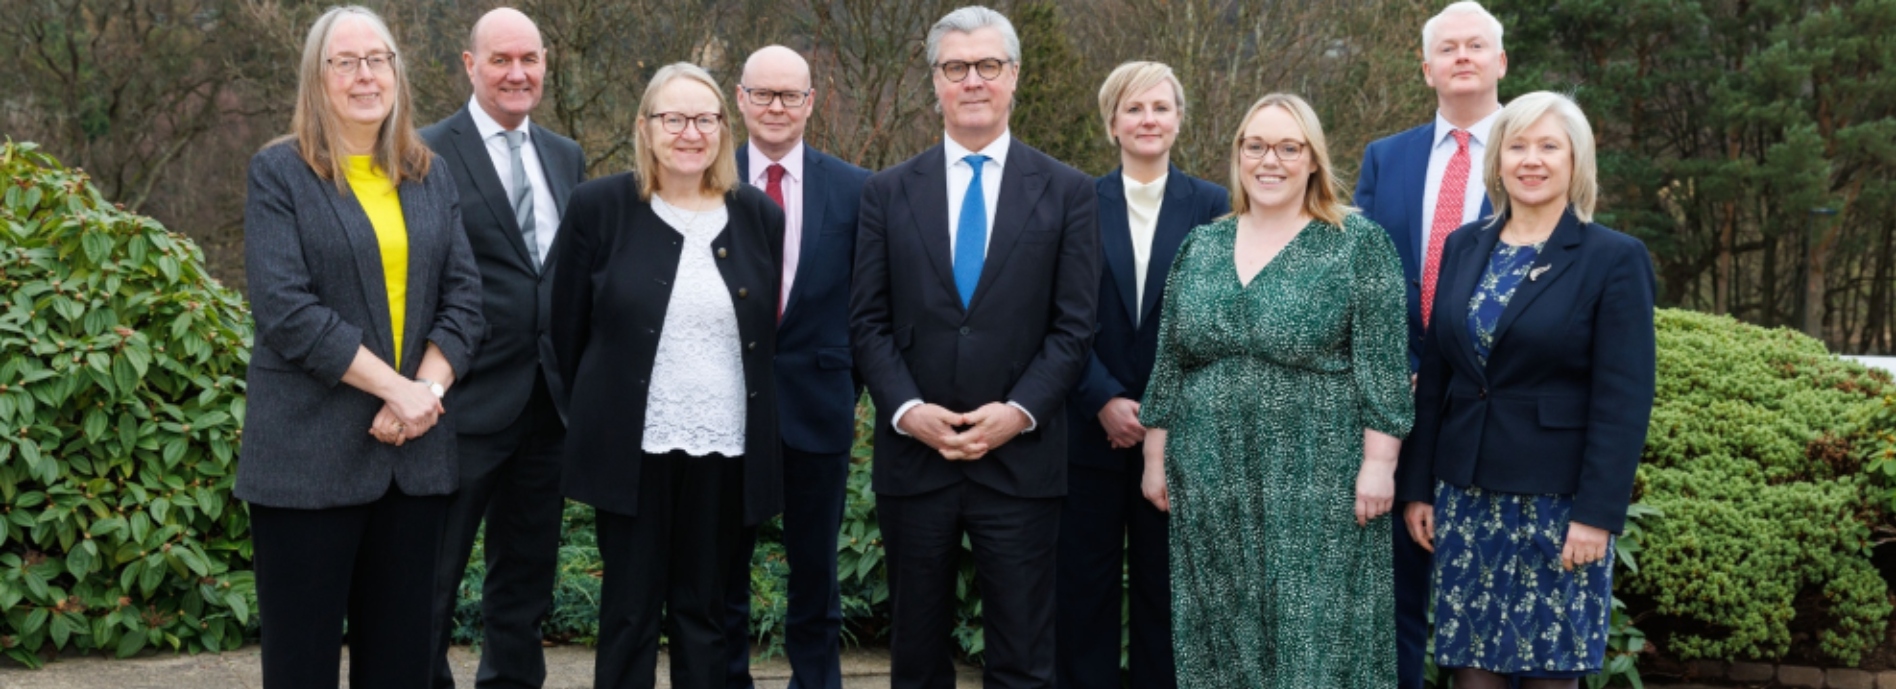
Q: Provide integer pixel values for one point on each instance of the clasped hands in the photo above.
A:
(963, 437)
(408, 411)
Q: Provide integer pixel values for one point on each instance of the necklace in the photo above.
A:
(685, 221)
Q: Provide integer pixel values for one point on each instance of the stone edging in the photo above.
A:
(1799, 676)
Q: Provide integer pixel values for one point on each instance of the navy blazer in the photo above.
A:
(816, 383)
(516, 294)
(1563, 404)
(1126, 339)
(1023, 338)
(318, 295)
(1390, 189)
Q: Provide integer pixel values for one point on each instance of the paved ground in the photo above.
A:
(568, 667)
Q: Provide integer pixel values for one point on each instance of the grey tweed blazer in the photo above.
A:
(317, 293)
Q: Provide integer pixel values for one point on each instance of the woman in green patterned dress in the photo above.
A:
(1276, 410)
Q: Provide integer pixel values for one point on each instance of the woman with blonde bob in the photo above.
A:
(1274, 415)
(1146, 209)
(360, 274)
(664, 320)
(1533, 395)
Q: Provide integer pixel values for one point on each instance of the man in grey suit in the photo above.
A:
(514, 178)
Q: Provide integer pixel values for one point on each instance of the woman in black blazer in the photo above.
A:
(1535, 389)
(664, 325)
(359, 274)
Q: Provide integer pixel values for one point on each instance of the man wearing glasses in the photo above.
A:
(816, 391)
(514, 178)
(977, 272)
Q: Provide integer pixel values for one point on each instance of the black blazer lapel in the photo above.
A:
(354, 223)
(479, 167)
(1021, 184)
(1175, 222)
(1561, 250)
(554, 163)
(810, 233)
(1469, 268)
(926, 191)
(422, 230)
(1115, 240)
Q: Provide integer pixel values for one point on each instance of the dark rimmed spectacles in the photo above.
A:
(674, 122)
(989, 69)
(346, 65)
(1287, 151)
(763, 97)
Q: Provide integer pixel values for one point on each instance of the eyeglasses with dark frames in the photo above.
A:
(675, 122)
(1287, 151)
(763, 97)
(957, 70)
(346, 65)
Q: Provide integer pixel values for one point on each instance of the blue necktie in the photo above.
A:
(971, 234)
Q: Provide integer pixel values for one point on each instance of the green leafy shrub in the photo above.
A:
(1755, 456)
(121, 409)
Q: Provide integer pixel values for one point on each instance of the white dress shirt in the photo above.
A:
(546, 213)
(1142, 217)
(792, 186)
(1440, 153)
(960, 173)
(697, 399)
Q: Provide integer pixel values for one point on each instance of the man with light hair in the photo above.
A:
(514, 177)
(1421, 185)
(816, 392)
(971, 316)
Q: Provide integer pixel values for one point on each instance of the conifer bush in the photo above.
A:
(121, 409)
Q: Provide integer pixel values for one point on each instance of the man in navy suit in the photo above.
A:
(977, 272)
(514, 178)
(1420, 185)
(816, 391)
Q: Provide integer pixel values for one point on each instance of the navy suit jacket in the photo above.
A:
(1563, 404)
(1390, 190)
(1023, 338)
(1126, 339)
(816, 386)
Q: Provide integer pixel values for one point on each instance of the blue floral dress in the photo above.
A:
(1502, 601)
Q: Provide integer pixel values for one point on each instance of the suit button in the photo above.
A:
(722, 253)
(641, 381)
(965, 330)
(753, 394)
(659, 280)
(742, 292)
(752, 345)
(1481, 393)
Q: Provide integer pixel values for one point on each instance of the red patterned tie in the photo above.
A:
(1448, 216)
(773, 187)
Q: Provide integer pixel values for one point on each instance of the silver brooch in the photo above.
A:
(1535, 274)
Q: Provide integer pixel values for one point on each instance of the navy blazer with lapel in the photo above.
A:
(816, 383)
(617, 261)
(1127, 336)
(516, 295)
(1024, 337)
(318, 295)
(1564, 401)
(1390, 189)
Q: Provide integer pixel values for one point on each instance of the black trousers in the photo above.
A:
(1412, 569)
(672, 559)
(372, 565)
(1108, 523)
(814, 488)
(1014, 539)
(510, 479)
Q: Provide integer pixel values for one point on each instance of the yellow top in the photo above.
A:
(384, 207)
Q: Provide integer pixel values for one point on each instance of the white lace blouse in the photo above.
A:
(697, 399)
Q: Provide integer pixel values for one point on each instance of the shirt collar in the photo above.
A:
(488, 127)
(1477, 134)
(760, 164)
(996, 151)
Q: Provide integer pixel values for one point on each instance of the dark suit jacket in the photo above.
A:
(1563, 403)
(616, 262)
(1023, 338)
(317, 294)
(816, 388)
(1390, 191)
(516, 295)
(1123, 352)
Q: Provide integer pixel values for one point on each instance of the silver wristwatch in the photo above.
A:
(434, 387)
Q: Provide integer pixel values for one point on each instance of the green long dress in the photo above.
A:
(1265, 390)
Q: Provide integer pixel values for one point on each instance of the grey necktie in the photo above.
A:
(522, 195)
